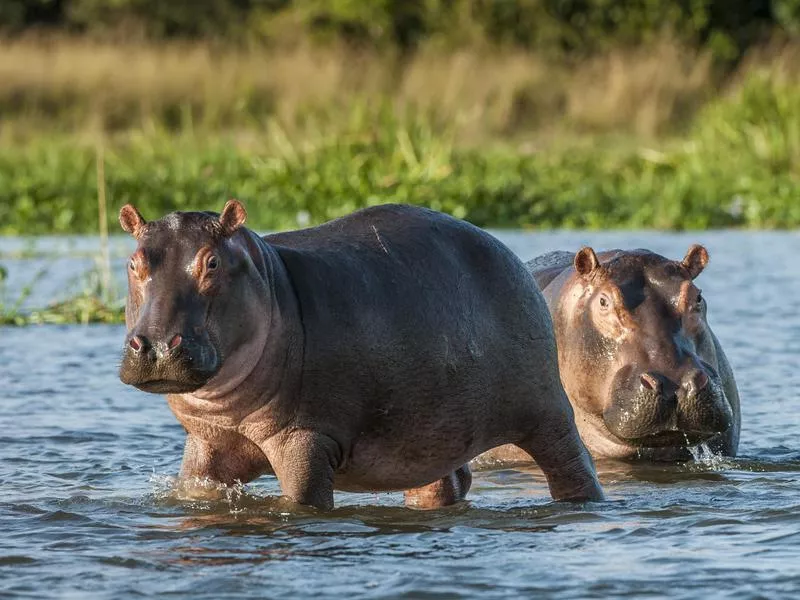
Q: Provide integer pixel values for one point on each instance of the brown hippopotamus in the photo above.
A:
(645, 374)
(380, 351)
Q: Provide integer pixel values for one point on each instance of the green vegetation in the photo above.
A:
(82, 309)
(739, 166)
(552, 26)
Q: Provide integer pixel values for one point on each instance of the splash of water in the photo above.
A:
(200, 491)
(704, 456)
(702, 452)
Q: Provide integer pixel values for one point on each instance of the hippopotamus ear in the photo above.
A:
(131, 220)
(586, 262)
(233, 216)
(695, 260)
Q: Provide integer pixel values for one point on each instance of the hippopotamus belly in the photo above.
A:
(381, 464)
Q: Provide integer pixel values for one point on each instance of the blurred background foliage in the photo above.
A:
(542, 25)
(523, 113)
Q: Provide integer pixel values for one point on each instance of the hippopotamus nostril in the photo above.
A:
(650, 383)
(139, 343)
(694, 382)
(175, 341)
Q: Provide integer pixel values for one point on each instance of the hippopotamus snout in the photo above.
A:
(177, 363)
(653, 409)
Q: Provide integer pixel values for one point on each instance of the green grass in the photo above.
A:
(739, 166)
(82, 309)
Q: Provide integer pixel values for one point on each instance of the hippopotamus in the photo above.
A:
(380, 351)
(645, 374)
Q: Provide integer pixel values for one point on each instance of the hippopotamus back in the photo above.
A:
(547, 267)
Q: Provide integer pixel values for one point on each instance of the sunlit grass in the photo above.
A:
(79, 85)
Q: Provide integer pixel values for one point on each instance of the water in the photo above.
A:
(88, 506)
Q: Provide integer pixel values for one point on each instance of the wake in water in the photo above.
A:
(202, 493)
(705, 459)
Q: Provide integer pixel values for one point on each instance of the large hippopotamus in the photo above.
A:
(379, 351)
(645, 374)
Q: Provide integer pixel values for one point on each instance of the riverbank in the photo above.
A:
(738, 167)
(652, 138)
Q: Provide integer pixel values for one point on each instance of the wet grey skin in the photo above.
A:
(380, 351)
(643, 370)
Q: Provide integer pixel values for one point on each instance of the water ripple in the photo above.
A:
(89, 506)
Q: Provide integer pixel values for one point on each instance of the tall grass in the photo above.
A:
(78, 85)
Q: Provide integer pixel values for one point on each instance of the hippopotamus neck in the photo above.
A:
(265, 369)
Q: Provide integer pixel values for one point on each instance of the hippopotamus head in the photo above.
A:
(636, 354)
(188, 281)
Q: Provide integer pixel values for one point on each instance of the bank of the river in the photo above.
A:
(738, 166)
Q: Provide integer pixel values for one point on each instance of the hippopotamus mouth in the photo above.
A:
(166, 386)
(162, 370)
(671, 439)
(660, 413)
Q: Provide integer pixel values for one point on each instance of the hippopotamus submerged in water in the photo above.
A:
(380, 351)
(643, 370)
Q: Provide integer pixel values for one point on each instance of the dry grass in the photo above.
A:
(74, 81)
(780, 61)
(78, 85)
(645, 90)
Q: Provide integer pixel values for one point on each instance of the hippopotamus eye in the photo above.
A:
(132, 265)
(699, 301)
(212, 263)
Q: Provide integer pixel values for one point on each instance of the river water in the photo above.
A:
(88, 507)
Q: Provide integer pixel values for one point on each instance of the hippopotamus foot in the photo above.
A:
(444, 492)
(566, 464)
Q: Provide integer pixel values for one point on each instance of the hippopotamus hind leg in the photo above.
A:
(444, 492)
(565, 461)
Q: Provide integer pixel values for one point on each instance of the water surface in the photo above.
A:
(87, 506)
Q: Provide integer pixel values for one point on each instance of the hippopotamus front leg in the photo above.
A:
(444, 492)
(226, 461)
(305, 462)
